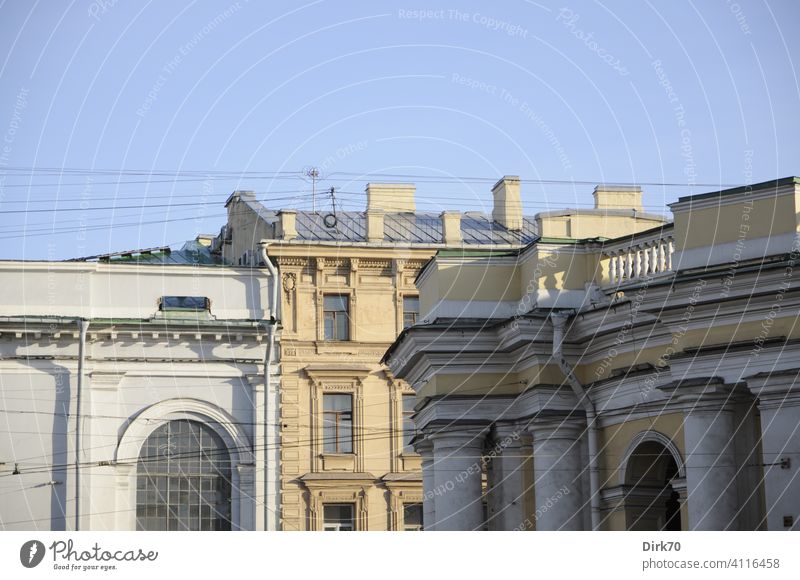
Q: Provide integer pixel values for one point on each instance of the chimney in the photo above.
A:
(391, 197)
(451, 227)
(374, 225)
(507, 202)
(618, 197)
(288, 224)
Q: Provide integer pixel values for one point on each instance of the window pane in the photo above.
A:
(335, 303)
(329, 326)
(337, 402)
(410, 310)
(345, 437)
(412, 516)
(338, 517)
(184, 303)
(342, 327)
(409, 430)
(329, 436)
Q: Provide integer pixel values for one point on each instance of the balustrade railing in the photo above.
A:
(638, 259)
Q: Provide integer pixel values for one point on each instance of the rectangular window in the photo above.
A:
(337, 423)
(412, 517)
(336, 309)
(184, 303)
(338, 517)
(410, 310)
(408, 424)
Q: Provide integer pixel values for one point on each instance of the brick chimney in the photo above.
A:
(507, 202)
(618, 197)
(391, 197)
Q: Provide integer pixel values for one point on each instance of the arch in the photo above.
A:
(651, 473)
(240, 449)
(645, 437)
(154, 416)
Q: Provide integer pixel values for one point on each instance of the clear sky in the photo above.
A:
(156, 111)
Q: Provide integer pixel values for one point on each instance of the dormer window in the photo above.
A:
(189, 304)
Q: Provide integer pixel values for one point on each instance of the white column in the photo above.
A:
(711, 467)
(506, 493)
(778, 399)
(557, 468)
(425, 449)
(457, 475)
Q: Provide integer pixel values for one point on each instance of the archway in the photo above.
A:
(651, 473)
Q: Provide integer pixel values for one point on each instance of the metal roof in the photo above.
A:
(192, 253)
(405, 227)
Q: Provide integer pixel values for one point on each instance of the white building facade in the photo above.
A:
(133, 394)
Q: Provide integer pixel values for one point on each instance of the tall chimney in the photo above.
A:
(391, 197)
(288, 224)
(618, 197)
(507, 202)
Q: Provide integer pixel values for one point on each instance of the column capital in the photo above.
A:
(552, 428)
(423, 446)
(704, 395)
(458, 437)
(775, 390)
(508, 434)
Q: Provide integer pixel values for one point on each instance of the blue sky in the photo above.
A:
(194, 100)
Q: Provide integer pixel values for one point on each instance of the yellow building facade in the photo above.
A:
(612, 378)
(347, 291)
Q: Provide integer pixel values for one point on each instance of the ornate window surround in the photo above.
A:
(340, 380)
(235, 439)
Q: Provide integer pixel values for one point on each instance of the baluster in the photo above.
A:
(670, 251)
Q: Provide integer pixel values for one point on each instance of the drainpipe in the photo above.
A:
(271, 411)
(83, 326)
(559, 320)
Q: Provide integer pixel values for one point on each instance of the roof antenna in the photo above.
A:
(313, 173)
(330, 219)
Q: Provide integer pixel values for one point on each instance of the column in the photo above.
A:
(457, 478)
(506, 501)
(425, 449)
(778, 399)
(557, 467)
(711, 471)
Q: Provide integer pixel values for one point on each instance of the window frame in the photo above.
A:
(415, 528)
(330, 526)
(336, 314)
(171, 486)
(415, 314)
(338, 448)
(405, 416)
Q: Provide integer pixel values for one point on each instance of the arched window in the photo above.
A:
(183, 479)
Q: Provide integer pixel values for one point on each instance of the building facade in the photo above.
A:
(347, 291)
(640, 381)
(132, 393)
